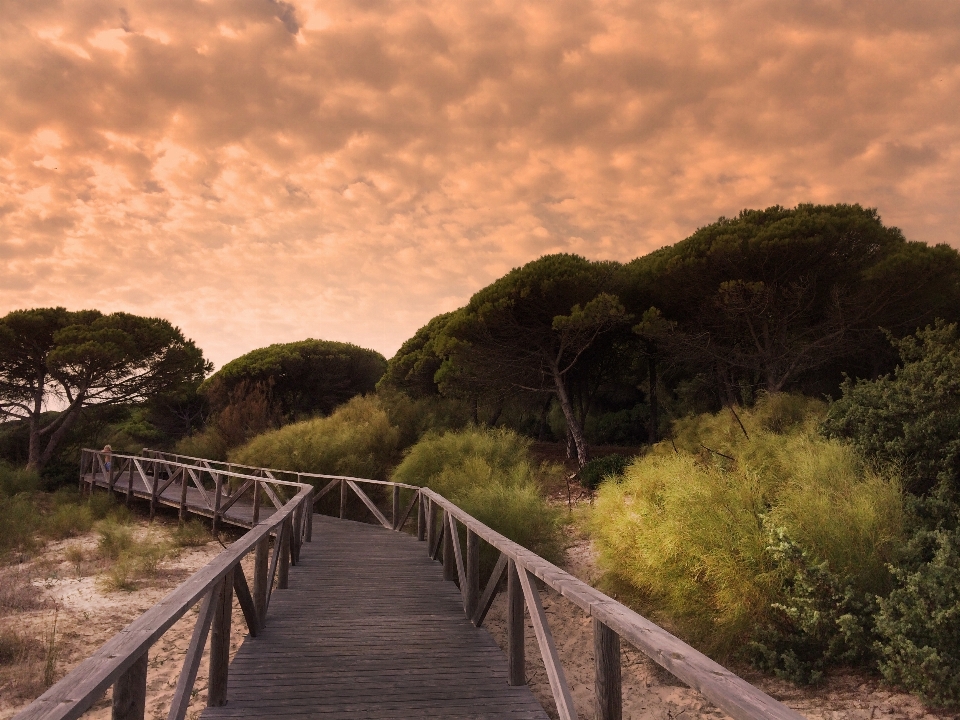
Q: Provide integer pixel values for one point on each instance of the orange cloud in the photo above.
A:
(264, 171)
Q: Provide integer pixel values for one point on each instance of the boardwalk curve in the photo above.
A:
(359, 621)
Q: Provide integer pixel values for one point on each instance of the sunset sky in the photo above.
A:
(262, 171)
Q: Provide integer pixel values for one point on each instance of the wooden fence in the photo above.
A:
(122, 661)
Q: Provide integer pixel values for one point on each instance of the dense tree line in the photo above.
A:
(772, 300)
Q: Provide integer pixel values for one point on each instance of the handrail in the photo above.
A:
(299, 474)
(723, 688)
(122, 660)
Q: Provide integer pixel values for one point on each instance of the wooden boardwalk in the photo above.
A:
(363, 622)
(369, 629)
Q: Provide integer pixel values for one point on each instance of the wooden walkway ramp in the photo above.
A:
(354, 620)
(369, 629)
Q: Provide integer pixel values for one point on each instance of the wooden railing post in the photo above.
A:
(472, 572)
(256, 501)
(220, 643)
(606, 653)
(343, 499)
(183, 494)
(431, 525)
(283, 568)
(295, 535)
(449, 560)
(130, 691)
(396, 507)
(309, 510)
(153, 491)
(516, 660)
(260, 580)
(421, 517)
(130, 483)
(218, 486)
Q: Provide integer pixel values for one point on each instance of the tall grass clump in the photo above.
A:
(749, 529)
(358, 440)
(488, 473)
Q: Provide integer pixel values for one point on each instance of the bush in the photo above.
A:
(910, 420)
(690, 528)
(488, 473)
(17, 480)
(192, 533)
(115, 539)
(919, 623)
(602, 468)
(358, 440)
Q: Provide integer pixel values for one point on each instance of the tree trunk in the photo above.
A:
(652, 395)
(33, 453)
(573, 426)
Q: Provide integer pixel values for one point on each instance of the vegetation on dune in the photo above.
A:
(699, 527)
(358, 440)
(490, 475)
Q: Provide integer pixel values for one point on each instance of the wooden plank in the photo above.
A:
(237, 495)
(246, 601)
(370, 506)
(490, 591)
(458, 556)
(516, 660)
(548, 649)
(472, 572)
(406, 513)
(130, 692)
(608, 693)
(195, 478)
(326, 488)
(269, 492)
(191, 663)
(220, 642)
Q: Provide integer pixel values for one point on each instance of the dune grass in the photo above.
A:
(691, 528)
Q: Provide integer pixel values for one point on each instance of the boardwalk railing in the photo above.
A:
(122, 660)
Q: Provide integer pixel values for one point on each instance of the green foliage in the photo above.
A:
(17, 480)
(912, 419)
(303, 378)
(358, 440)
(821, 618)
(920, 623)
(690, 528)
(192, 533)
(781, 297)
(93, 360)
(489, 474)
(603, 468)
(115, 539)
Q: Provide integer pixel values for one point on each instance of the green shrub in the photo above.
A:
(602, 468)
(115, 539)
(17, 480)
(19, 520)
(358, 440)
(690, 527)
(192, 533)
(919, 621)
(208, 443)
(488, 473)
(910, 420)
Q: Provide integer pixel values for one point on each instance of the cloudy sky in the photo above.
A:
(263, 171)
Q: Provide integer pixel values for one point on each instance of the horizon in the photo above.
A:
(286, 170)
